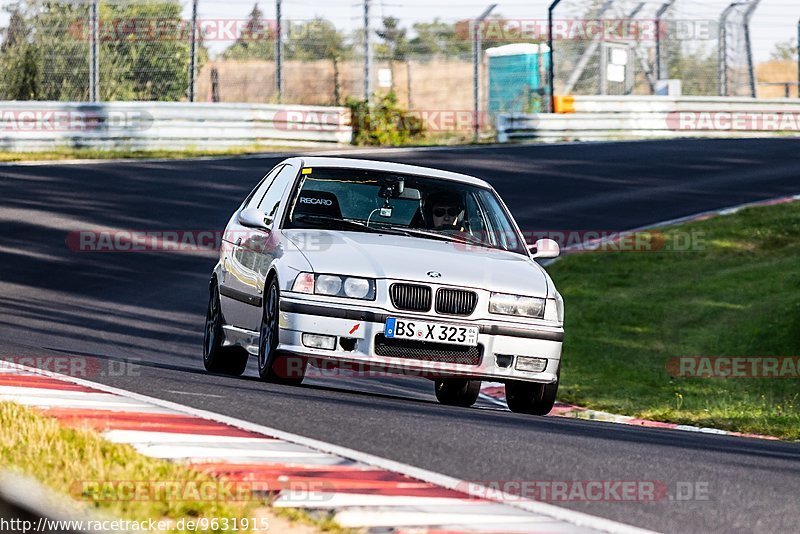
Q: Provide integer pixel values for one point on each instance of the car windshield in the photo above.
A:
(429, 208)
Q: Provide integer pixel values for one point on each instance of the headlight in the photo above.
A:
(334, 285)
(356, 288)
(328, 284)
(504, 304)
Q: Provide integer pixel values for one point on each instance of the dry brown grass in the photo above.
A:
(776, 71)
(436, 85)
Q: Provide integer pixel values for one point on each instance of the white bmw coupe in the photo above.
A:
(381, 266)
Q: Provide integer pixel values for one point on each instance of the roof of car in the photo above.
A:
(318, 161)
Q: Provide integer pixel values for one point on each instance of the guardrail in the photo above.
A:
(641, 117)
(36, 126)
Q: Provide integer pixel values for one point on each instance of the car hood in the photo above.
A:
(396, 257)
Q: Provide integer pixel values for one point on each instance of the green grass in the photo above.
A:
(736, 294)
(69, 460)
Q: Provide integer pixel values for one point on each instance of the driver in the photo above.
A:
(446, 210)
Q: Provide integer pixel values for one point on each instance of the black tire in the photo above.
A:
(531, 398)
(272, 366)
(216, 358)
(457, 392)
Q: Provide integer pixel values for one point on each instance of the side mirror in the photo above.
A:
(544, 248)
(253, 218)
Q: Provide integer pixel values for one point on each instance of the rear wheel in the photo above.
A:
(217, 358)
(531, 398)
(457, 392)
(273, 367)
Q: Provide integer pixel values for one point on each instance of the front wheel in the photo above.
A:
(271, 366)
(217, 358)
(531, 398)
(457, 392)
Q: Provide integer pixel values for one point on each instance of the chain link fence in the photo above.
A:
(242, 51)
(618, 47)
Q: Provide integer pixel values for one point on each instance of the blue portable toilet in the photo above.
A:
(517, 77)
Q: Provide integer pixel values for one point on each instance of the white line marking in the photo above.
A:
(325, 499)
(398, 518)
(145, 436)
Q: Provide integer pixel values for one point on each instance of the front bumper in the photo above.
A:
(363, 324)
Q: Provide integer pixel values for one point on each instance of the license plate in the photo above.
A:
(431, 332)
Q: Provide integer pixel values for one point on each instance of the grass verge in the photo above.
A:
(70, 461)
(735, 293)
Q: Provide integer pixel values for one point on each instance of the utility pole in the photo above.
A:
(193, 52)
(94, 64)
(476, 80)
(551, 80)
(367, 54)
(798, 58)
(278, 51)
(664, 7)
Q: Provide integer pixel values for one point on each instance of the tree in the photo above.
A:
(785, 51)
(697, 70)
(18, 58)
(316, 39)
(154, 64)
(256, 41)
(319, 39)
(143, 52)
(437, 38)
(395, 43)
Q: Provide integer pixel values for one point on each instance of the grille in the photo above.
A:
(456, 301)
(411, 297)
(426, 351)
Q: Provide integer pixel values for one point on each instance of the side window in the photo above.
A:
(504, 234)
(257, 193)
(475, 219)
(271, 201)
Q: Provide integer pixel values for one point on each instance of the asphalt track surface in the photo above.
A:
(149, 308)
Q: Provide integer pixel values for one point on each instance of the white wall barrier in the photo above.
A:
(35, 126)
(643, 117)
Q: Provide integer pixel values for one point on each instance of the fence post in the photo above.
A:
(664, 7)
(748, 45)
(551, 80)
(476, 81)
(367, 54)
(94, 74)
(278, 51)
(193, 51)
(722, 50)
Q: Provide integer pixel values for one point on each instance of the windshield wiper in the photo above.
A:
(347, 224)
(446, 237)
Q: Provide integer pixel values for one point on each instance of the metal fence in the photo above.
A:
(248, 52)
